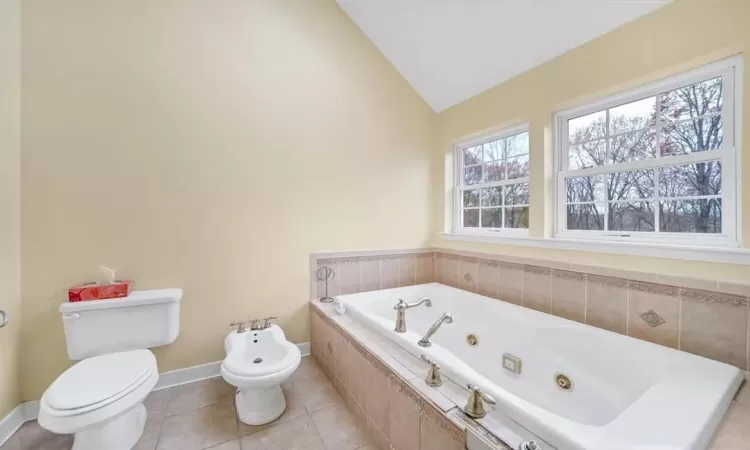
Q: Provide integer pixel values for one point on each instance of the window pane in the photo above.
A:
(585, 189)
(472, 155)
(693, 101)
(586, 155)
(471, 198)
(632, 116)
(630, 185)
(494, 171)
(635, 216)
(518, 144)
(517, 194)
(588, 127)
(690, 180)
(471, 218)
(492, 196)
(493, 151)
(586, 217)
(492, 218)
(693, 136)
(635, 146)
(518, 167)
(473, 175)
(690, 216)
(517, 217)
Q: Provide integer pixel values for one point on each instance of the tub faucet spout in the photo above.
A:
(401, 308)
(425, 341)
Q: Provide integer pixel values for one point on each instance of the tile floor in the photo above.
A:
(201, 416)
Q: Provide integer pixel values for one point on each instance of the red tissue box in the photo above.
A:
(99, 291)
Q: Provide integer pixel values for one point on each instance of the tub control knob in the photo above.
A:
(529, 445)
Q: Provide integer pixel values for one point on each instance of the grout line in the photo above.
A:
(627, 309)
(679, 320)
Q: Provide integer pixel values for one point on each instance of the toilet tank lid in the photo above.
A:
(151, 296)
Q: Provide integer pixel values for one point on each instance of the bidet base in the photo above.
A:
(259, 406)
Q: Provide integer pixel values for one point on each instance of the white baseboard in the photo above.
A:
(13, 421)
(30, 410)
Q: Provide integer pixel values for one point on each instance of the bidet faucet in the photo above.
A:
(401, 308)
(425, 341)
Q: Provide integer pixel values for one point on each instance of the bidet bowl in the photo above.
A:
(257, 362)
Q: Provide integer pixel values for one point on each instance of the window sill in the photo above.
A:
(690, 253)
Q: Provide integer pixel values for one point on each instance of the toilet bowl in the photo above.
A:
(257, 362)
(100, 400)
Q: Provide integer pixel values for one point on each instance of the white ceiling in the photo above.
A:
(450, 50)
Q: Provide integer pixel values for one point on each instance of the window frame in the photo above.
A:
(458, 186)
(730, 70)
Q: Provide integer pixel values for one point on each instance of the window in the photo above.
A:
(655, 165)
(492, 183)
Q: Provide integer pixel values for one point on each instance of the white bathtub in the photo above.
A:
(627, 393)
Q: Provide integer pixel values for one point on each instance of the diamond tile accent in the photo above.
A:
(652, 318)
(467, 277)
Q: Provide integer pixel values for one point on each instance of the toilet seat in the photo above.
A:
(99, 381)
(98, 389)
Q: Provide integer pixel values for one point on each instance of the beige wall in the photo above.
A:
(207, 145)
(10, 196)
(681, 35)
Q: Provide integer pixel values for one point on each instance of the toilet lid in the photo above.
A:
(101, 378)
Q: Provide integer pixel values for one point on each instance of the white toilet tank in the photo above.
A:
(144, 319)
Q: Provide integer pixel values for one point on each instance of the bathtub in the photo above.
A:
(626, 394)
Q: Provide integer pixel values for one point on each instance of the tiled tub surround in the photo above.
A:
(623, 388)
(703, 317)
(384, 385)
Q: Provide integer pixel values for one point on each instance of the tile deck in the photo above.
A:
(202, 415)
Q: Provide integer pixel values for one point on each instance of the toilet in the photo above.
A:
(257, 362)
(100, 399)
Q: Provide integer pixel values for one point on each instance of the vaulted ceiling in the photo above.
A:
(450, 50)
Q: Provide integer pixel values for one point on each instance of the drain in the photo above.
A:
(563, 382)
(257, 360)
(472, 340)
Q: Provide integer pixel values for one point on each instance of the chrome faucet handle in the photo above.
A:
(240, 326)
(475, 405)
(433, 377)
(267, 321)
(400, 305)
(477, 391)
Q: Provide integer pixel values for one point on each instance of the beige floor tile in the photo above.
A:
(313, 383)
(197, 395)
(151, 432)
(339, 428)
(315, 401)
(157, 402)
(229, 445)
(297, 434)
(307, 368)
(14, 443)
(199, 428)
(294, 408)
(33, 437)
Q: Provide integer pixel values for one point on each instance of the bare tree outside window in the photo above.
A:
(493, 186)
(665, 198)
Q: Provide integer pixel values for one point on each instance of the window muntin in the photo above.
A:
(493, 183)
(650, 166)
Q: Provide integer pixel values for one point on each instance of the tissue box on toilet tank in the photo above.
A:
(99, 291)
